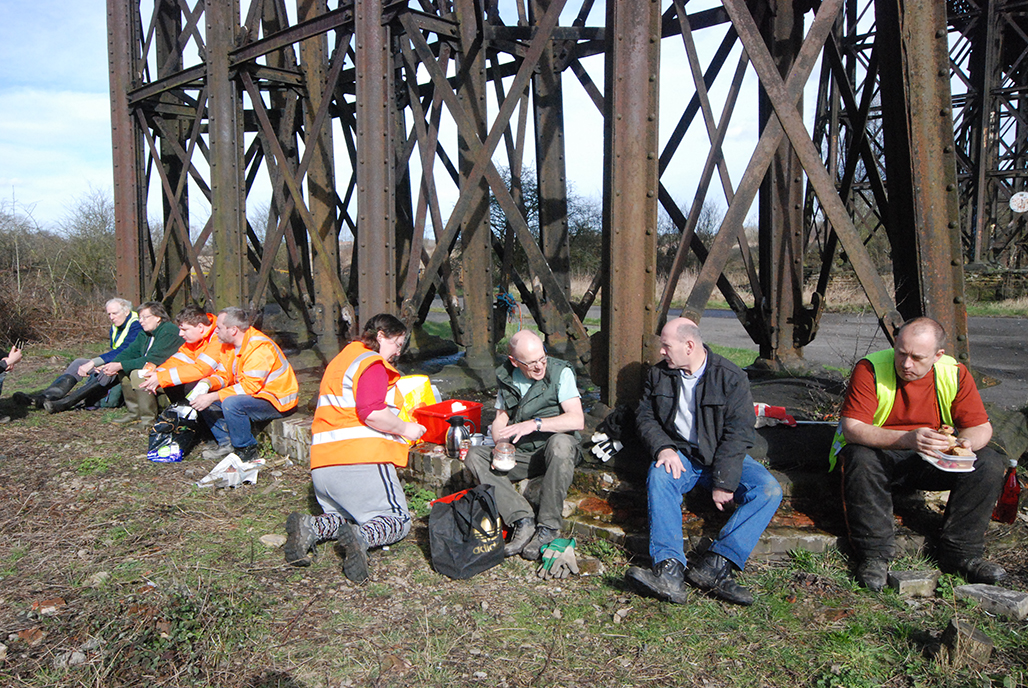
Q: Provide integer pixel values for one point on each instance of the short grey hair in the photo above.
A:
(236, 317)
(124, 304)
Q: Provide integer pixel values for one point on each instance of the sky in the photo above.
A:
(55, 140)
(55, 131)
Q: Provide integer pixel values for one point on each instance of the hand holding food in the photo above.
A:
(955, 446)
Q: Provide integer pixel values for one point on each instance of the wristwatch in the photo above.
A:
(538, 424)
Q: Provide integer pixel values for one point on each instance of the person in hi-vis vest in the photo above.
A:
(896, 403)
(357, 443)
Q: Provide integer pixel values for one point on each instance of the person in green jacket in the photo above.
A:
(158, 342)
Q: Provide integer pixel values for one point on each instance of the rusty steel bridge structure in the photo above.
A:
(352, 117)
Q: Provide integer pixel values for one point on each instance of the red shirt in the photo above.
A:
(916, 405)
(371, 390)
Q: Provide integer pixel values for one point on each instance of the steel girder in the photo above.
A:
(315, 113)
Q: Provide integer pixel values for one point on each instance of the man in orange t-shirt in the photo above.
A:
(896, 402)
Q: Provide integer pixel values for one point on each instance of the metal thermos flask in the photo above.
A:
(455, 434)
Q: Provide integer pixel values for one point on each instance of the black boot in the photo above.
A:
(89, 392)
(60, 388)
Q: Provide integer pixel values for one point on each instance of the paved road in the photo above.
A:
(999, 346)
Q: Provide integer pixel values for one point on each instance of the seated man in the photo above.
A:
(195, 359)
(696, 420)
(537, 404)
(125, 328)
(896, 402)
(252, 382)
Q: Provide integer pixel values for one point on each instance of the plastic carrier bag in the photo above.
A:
(173, 434)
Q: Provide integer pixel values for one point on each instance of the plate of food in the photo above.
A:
(956, 459)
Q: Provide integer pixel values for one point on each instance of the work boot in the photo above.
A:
(665, 580)
(218, 453)
(300, 539)
(147, 405)
(354, 551)
(714, 574)
(524, 529)
(544, 535)
(131, 414)
(872, 573)
(975, 570)
(246, 453)
(91, 391)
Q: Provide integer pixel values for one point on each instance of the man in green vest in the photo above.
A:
(896, 403)
(537, 405)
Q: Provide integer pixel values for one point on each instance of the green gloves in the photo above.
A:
(558, 559)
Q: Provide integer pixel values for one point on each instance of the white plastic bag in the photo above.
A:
(232, 472)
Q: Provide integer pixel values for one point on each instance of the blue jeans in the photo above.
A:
(757, 498)
(229, 420)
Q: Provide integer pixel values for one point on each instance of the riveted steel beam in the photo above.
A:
(630, 186)
(923, 224)
(376, 239)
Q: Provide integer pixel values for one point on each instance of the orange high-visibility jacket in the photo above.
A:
(258, 369)
(193, 362)
(339, 438)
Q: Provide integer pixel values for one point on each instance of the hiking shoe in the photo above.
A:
(665, 580)
(354, 553)
(976, 570)
(524, 529)
(872, 573)
(218, 453)
(544, 535)
(300, 539)
(714, 574)
(246, 453)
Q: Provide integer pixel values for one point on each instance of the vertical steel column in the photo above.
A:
(225, 125)
(630, 180)
(376, 279)
(548, 99)
(919, 152)
(986, 75)
(169, 60)
(781, 201)
(127, 145)
(475, 233)
(321, 182)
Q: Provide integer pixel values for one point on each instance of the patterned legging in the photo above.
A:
(379, 531)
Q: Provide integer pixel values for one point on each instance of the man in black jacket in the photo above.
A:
(696, 420)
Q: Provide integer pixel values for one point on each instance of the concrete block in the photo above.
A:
(995, 600)
(962, 644)
(914, 583)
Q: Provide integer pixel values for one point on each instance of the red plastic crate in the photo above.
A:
(435, 418)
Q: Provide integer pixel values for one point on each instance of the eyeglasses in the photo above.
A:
(539, 363)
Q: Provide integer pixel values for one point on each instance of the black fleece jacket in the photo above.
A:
(724, 417)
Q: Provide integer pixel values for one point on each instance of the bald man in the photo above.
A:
(539, 410)
(895, 404)
(696, 421)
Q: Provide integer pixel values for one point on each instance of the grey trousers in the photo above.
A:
(555, 462)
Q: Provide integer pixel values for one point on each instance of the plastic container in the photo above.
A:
(436, 417)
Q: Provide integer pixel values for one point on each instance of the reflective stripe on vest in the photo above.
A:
(947, 383)
(118, 338)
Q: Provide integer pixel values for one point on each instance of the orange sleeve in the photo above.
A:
(861, 401)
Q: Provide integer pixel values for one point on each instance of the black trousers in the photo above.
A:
(869, 477)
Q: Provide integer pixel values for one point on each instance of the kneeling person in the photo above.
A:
(695, 419)
(537, 405)
(357, 444)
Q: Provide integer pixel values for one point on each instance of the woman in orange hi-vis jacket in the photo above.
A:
(357, 443)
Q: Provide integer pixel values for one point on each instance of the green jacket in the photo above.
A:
(150, 347)
(540, 401)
